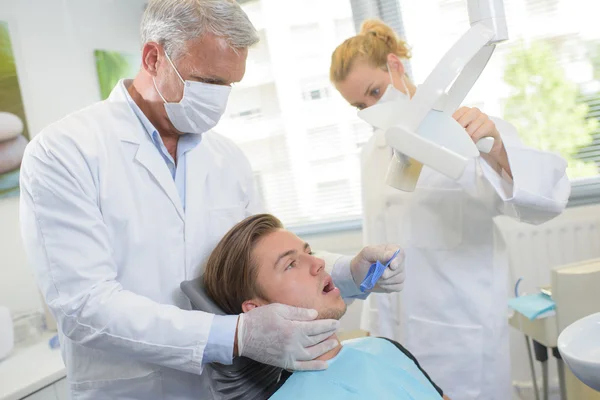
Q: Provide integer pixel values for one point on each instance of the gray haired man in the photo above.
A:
(122, 201)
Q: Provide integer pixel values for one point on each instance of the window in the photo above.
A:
(305, 39)
(344, 29)
(287, 118)
(591, 153)
(544, 79)
(260, 186)
(247, 114)
(315, 94)
(260, 52)
(455, 10)
(333, 198)
(256, 102)
(541, 8)
(273, 173)
(336, 188)
(315, 88)
(325, 143)
(362, 132)
(304, 145)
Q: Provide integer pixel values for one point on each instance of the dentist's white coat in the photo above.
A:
(452, 313)
(110, 243)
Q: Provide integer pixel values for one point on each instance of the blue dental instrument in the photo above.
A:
(375, 271)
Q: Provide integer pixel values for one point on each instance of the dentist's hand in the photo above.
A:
(392, 279)
(285, 336)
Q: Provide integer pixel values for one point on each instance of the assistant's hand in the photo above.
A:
(286, 337)
(392, 279)
(479, 125)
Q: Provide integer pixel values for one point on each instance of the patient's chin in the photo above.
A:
(332, 312)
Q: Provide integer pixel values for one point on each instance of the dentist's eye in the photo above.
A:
(375, 92)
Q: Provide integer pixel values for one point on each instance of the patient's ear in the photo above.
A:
(252, 304)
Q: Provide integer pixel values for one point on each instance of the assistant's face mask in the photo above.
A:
(201, 106)
(383, 114)
(393, 94)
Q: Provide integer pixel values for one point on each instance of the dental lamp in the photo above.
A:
(422, 131)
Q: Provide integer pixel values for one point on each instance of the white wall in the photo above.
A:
(17, 288)
(53, 42)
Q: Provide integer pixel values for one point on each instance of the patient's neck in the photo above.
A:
(333, 352)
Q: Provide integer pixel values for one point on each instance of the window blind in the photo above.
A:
(301, 138)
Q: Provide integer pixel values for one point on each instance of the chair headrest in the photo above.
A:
(194, 290)
(244, 379)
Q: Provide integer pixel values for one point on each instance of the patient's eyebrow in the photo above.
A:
(288, 253)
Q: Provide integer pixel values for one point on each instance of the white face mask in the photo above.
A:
(393, 94)
(201, 106)
(380, 117)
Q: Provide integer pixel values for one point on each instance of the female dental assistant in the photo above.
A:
(452, 312)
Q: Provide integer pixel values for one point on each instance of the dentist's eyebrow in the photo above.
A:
(210, 79)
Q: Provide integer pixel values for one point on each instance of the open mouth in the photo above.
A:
(329, 286)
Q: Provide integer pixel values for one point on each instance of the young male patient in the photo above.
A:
(258, 262)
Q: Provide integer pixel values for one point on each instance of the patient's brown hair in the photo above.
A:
(231, 272)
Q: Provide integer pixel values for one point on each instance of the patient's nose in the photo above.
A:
(316, 265)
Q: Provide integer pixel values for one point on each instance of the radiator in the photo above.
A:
(534, 250)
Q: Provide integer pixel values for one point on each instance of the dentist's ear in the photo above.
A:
(150, 53)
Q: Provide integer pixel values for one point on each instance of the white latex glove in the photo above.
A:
(286, 337)
(392, 279)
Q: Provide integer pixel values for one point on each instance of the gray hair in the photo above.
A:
(173, 22)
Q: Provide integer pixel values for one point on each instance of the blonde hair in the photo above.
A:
(373, 44)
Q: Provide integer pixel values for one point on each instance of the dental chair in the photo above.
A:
(244, 379)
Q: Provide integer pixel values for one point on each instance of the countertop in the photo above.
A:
(29, 369)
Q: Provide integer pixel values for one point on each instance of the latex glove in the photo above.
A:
(392, 279)
(286, 337)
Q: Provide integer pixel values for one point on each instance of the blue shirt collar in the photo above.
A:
(187, 142)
